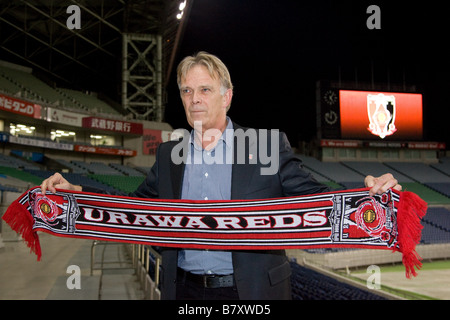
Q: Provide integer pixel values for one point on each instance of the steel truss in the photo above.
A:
(142, 76)
(34, 33)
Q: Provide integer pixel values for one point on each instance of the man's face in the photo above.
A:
(202, 99)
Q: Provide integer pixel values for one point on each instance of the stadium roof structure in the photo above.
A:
(36, 33)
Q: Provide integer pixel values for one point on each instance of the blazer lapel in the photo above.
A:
(241, 172)
(176, 176)
(177, 170)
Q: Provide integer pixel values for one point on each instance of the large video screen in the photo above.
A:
(380, 115)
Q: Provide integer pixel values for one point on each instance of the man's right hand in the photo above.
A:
(57, 181)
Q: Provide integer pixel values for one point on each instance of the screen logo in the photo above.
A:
(381, 112)
(371, 115)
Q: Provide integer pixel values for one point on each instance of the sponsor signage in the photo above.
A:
(112, 125)
(152, 138)
(382, 144)
(42, 143)
(65, 117)
(21, 107)
(105, 150)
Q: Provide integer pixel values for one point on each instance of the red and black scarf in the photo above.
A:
(343, 219)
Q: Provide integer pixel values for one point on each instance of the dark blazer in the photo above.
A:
(258, 274)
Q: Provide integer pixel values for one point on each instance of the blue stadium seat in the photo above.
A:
(311, 285)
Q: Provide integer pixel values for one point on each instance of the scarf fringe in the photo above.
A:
(22, 222)
(410, 212)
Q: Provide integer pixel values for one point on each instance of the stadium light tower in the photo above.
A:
(142, 76)
(181, 7)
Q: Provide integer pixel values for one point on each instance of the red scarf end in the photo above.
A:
(22, 222)
(410, 212)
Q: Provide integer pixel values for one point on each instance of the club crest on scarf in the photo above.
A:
(367, 219)
(50, 210)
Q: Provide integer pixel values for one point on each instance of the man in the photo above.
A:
(199, 167)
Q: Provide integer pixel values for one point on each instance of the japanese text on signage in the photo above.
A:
(19, 106)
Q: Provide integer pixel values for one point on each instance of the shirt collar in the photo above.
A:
(227, 136)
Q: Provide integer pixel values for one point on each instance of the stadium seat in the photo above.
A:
(375, 169)
(333, 171)
(441, 187)
(420, 172)
(22, 175)
(119, 182)
(430, 196)
(311, 285)
(126, 170)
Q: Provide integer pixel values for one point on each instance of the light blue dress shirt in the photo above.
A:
(207, 176)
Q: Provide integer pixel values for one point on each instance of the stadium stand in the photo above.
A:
(20, 82)
(375, 169)
(88, 102)
(420, 172)
(423, 179)
(336, 173)
(7, 161)
(16, 162)
(308, 284)
(436, 226)
(443, 184)
(443, 166)
(8, 183)
(75, 178)
(128, 171)
(8, 85)
(70, 165)
(119, 182)
(21, 175)
(101, 168)
(424, 175)
(80, 165)
(30, 87)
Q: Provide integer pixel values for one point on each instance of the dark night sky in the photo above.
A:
(277, 50)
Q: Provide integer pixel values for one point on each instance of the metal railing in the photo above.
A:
(147, 263)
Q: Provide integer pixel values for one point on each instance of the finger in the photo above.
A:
(48, 184)
(373, 191)
(43, 186)
(390, 183)
(386, 186)
(56, 182)
(384, 183)
(369, 181)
